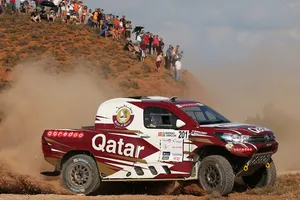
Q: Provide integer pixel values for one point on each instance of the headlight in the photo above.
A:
(233, 138)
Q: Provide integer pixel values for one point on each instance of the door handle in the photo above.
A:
(144, 136)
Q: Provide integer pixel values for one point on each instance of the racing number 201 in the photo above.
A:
(183, 134)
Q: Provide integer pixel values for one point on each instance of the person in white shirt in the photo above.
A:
(178, 69)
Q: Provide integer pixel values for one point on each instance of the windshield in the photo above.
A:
(204, 115)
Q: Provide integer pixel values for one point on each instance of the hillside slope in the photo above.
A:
(68, 45)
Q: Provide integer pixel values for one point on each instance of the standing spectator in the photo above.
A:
(146, 41)
(139, 39)
(159, 48)
(63, 10)
(110, 21)
(95, 16)
(143, 49)
(155, 44)
(84, 13)
(159, 60)
(177, 69)
(80, 8)
(128, 27)
(101, 18)
(75, 7)
(123, 22)
(13, 5)
(169, 57)
(68, 11)
(116, 22)
(175, 50)
(150, 43)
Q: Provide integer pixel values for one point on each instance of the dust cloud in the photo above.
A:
(39, 99)
(262, 90)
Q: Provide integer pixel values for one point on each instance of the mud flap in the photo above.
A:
(54, 173)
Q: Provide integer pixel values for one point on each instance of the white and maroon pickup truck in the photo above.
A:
(159, 138)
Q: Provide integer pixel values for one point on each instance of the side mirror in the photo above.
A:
(179, 123)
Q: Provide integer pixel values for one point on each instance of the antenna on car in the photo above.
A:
(173, 98)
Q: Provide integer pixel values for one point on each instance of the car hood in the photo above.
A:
(246, 129)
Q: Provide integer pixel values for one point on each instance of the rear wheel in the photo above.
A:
(262, 177)
(80, 174)
(216, 174)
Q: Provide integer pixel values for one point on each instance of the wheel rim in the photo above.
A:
(80, 176)
(212, 177)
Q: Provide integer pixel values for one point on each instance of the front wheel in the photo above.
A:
(216, 174)
(262, 177)
(80, 174)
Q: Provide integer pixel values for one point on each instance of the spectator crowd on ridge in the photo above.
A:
(119, 28)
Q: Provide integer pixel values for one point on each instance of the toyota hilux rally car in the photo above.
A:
(159, 138)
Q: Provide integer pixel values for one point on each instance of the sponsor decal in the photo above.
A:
(100, 143)
(123, 117)
(200, 132)
(167, 134)
(173, 148)
(165, 158)
(177, 158)
(65, 134)
(243, 149)
(258, 129)
(183, 134)
(177, 154)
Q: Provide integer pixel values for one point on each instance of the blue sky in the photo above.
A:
(212, 32)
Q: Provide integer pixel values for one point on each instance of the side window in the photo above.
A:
(210, 115)
(156, 118)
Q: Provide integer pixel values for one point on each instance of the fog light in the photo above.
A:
(246, 168)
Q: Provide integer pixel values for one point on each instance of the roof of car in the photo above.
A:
(173, 100)
(155, 99)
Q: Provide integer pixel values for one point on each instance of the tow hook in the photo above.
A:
(268, 165)
(246, 167)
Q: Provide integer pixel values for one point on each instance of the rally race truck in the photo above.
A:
(161, 139)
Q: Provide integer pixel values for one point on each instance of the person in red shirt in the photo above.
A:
(116, 22)
(146, 41)
(13, 5)
(76, 7)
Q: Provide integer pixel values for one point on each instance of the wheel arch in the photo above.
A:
(203, 152)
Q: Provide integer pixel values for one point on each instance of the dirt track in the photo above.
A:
(123, 197)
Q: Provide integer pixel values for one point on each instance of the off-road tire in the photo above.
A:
(262, 177)
(220, 168)
(82, 164)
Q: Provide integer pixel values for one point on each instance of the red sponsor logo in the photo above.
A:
(65, 134)
(243, 149)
